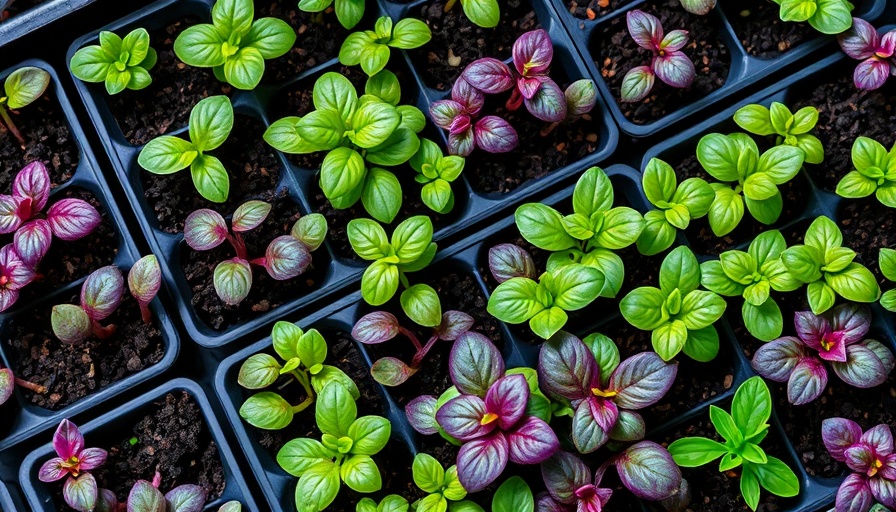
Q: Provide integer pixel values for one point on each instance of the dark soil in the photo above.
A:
(71, 372)
(867, 226)
(47, 138)
(267, 293)
(592, 9)
(456, 41)
(615, 52)
(758, 26)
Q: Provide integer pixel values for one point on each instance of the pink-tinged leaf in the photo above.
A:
(642, 380)
(474, 364)
(70, 323)
(7, 298)
(545, 503)
(444, 112)
(838, 434)
(883, 353)
(7, 384)
(286, 257)
(33, 182)
(529, 86)
(390, 371)
(233, 280)
(205, 229)
(52, 470)
(853, 320)
(72, 219)
(106, 501)
(880, 439)
(871, 73)
(14, 273)
(854, 495)
(645, 29)
(375, 327)
(506, 261)
(421, 414)
(461, 144)
(495, 135)
(186, 498)
(884, 491)
(680, 500)
(888, 470)
(102, 292)
(675, 40)
(833, 348)
(145, 279)
(862, 369)
(532, 441)
(480, 462)
(32, 241)
(249, 216)
(581, 97)
(471, 98)
(648, 471)
(675, 69)
(588, 499)
(860, 457)
(887, 45)
(587, 433)
(777, 359)
(567, 369)
(549, 103)
(860, 41)
(489, 75)
(460, 124)
(466, 417)
(81, 493)
(454, 323)
(9, 214)
(807, 382)
(144, 497)
(92, 458)
(604, 412)
(533, 52)
(636, 84)
(67, 441)
(508, 398)
(811, 328)
(563, 473)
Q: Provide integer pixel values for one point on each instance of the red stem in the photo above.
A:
(412, 337)
(145, 313)
(421, 353)
(547, 129)
(37, 388)
(239, 245)
(515, 100)
(12, 126)
(259, 261)
(102, 333)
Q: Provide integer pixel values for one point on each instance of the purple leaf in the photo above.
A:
(860, 457)
(884, 491)
(545, 503)
(854, 495)
(680, 500)
(67, 440)
(887, 45)
(862, 369)
(106, 501)
(421, 413)
(563, 473)
(674, 41)
(474, 364)
(81, 493)
(32, 241)
(468, 96)
(467, 417)
(459, 125)
(186, 498)
(548, 104)
(495, 135)
(70, 323)
(591, 499)
(144, 497)
(777, 359)
(52, 470)
(648, 471)
(507, 398)
(205, 229)
(636, 84)
(838, 434)
(145, 279)
(7, 298)
(600, 411)
(533, 52)
(286, 257)
(14, 273)
(91, 458)
(675, 69)
(72, 219)
(481, 461)
(645, 29)
(7, 384)
(812, 329)
(506, 261)
(860, 41)
(581, 97)
(461, 144)
(642, 380)
(102, 292)
(532, 441)
(880, 439)
(444, 112)
(567, 368)
(9, 214)
(852, 320)
(33, 182)
(390, 371)
(871, 74)
(587, 433)
(528, 86)
(232, 280)
(454, 323)
(489, 75)
(807, 381)
(249, 216)
(375, 327)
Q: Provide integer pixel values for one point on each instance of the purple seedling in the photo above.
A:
(465, 133)
(74, 461)
(668, 62)
(863, 42)
(870, 455)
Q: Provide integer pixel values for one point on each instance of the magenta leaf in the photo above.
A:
(807, 381)
(70, 323)
(645, 29)
(233, 280)
(390, 371)
(860, 41)
(811, 328)
(581, 97)
(186, 498)
(7, 298)
(862, 369)
(674, 40)
(9, 214)
(852, 320)
(637, 83)
(454, 323)
(527, 87)
(481, 461)
(532, 441)
(421, 414)
(887, 45)
(567, 369)
(33, 182)
(444, 112)
(777, 359)
(548, 104)
(854, 495)
(81, 493)
(72, 219)
(506, 261)
(68, 441)
(460, 124)
(563, 473)
(7, 384)
(642, 380)
(598, 410)
(675, 69)
(495, 135)
(880, 439)
(467, 417)
(648, 471)
(461, 144)
(375, 327)
(838, 434)
(92, 458)
(489, 75)
(52, 470)
(474, 364)
(533, 52)
(249, 216)
(102, 292)
(884, 491)
(286, 257)
(507, 398)
(144, 497)
(32, 241)
(860, 457)
(205, 229)
(871, 74)
(145, 279)
(14, 273)
(587, 434)
(468, 96)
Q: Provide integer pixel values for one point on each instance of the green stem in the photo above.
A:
(12, 126)
(303, 379)
(449, 5)
(304, 405)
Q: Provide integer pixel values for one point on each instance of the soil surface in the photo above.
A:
(758, 26)
(615, 53)
(867, 226)
(592, 9)
(71, 372)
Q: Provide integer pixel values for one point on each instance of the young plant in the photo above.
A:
(8, 383)
(603, 392)
(825, 16)
(144, 282)
(286, 257)
(698, 7)
(381, 326)
(119, 63)
(15, 274)
(22, 87)
(440, 485)
(589, 235)
(459, 116)
(342, 455)
(370, 48)
(235, 45)
(875, 172)
(484, 13)
(302, 355)
(790, 129)
(348, 12)
(743, 430)
(211, 121)
(887, 261)
(146, 497)
(668, 62)
(838, 338)
(680, 316)
(676, 205)
(863, 42)
(436, 172)
(73, 461)
(828, 268)
(753, 275)
(870, 455)
(512, 496)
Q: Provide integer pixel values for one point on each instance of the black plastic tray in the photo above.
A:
(37, 17)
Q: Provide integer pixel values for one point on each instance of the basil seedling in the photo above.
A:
(789, 129)
(863, 42)
(370, 48)
(74, 462)
(21, 88)
(348, 12)
(887, 262)
(870, 456)
(484, 13)
(825, 16)
(119, 63)
(875, 173)
(668, 63)
(436, 172)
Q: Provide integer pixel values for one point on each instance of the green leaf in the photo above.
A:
(373, 123)
(548, 321)
(701, 309)
(361, 474)
(314, 5)
(25, 85)
(542, 226)
(211, 121)
(140, 78)
(811, 146)
(766, 246)
(410, 33)
(367, 238)
(621, 227)
(374, 57)
(421, 262)
(233, 16)
(341, 171)
(752, 407)
(739, 266)
(349, 12)
(669, 338)
(725, 425)
(272, 37)
(575, 286)
(837, 259)
(726, 211)
(763, 321)
(90, 64)
(311, 348)
(267, 410)
(578, 226)
(428, 473)
(513, 496)
(381, 195)
(335, 410)
(318, 487)
(210, 178)
(821, 297)
(354, 45)
(832, 16)
(797, 10)
(702, 344)
(333, 91)
(484, 13)
(719, 154)
(856, 185)
(379, 283)
(658, 234)
(691, 452)
(384, 85)
(780, 117)
(887, 260)
(888, 300)
(659, 181)
(643, 308)
(679, 270)
(411, 238)
(766, 211)
(803, 262)
(328, 374)
(757, 293)
(696, 195)
(886, 194)
(714, 279)
(749, 486)
(754, 119)
(753, 453)
(823, 234)
(369, 435)
(283, 136)
(421, 303)
(396, 150)
(298, 455)
(413, 119)
(778, 478)
(514, 301)
(322, 129)
(679, 216)
(759, 186)
(259, 371)
(855, 283)
(285, 338)
(166, 155)
(610, 265)
(593, 193)
(438, 196)
(245, 69)
(200, 46)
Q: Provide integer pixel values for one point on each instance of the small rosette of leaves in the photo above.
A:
(825, 16)
(698, 7)
(442, 486)
(668, 62)
(864, 43)
(790, 129)
(676, 205)
(146, 497)
(119, 63)
(235, 44)
(22, 87)
(870, 456)
(828, 269)
(348, 12)
(74, 462)
(436, 172)
(460, 116)
(753, 275)
(101, 295)
(874, 173)
(371, 48)
(746, 178)
(837, 338)
(680, 316)
(887, 262)
(743, 430)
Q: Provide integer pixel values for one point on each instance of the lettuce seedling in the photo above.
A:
(348, 12)
(828, 268)
(875, 172)
(870, 456)
(589, 235)
(603, 392)
(743, 430)
(887, 262)
(746, 177)
(863, 42)
(302, 355)
(680, 316)
(342, 455)
(484, 13)
(825, 16)
(837, 337)
(235, 44)
(144, 282)
(789, 129)
(211, 121)
(370, 48)
(753, 275)
(676, 205)
(286, 257)
(458, 115)
(436, 172)
(381, 326)
(8, 383)
(698, 7)
(119, 63)
(73, 461)
(22, 87)
(668, 63)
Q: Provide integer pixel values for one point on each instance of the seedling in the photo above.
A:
(680, 316)
(370, 48)
(512, 496)
(887, 262)
(484, 13)
(870, 456)
(436, 172)
(73, 461)
(442, 486)
(789, 129)
(22, 87)
(286, 257)
(348, 12)
(14, 275)
(342, 455)
(838, 338)
(875, 172)
(381, 326)
(302, 355)
(863, 42)
(465, 133)
(825, 16)
(235, 45)
(668, 62)
(828, 268)
(698, 7)
(8, 383)
(743, 430)
(144, 282)
(146, 497)
(119, 63)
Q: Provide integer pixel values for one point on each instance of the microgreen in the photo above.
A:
(144, 282)
(342, 455)
(825, 16)
(838, 338)
(74, 462)
(8, 383)
(870, 456)
(743, 430)
(119, 63)
(440, 485)
(668, 62)
(698, 7)
(484, 13)
(875, 172)
(589, 235)
(301, 358)
(235, 44)
(370, 48)
(676, 205)
(745, 176)
(863, 42)
(145, 496)
(790, 129)
(348, 12)
(436, 172)
(753, 275)
(828, 268)
(680, 316)
(286, 257)
(465, 133)
(887, 262)
(21, 88)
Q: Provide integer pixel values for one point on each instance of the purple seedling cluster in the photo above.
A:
(668, 62)
(864, 43)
